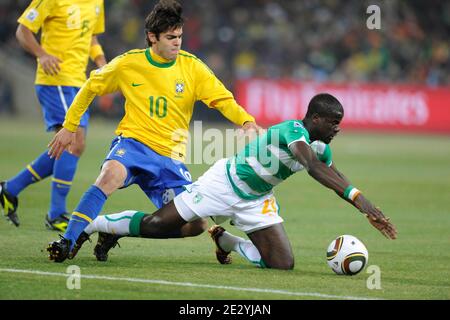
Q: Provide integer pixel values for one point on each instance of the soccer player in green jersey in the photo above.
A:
(240, 189)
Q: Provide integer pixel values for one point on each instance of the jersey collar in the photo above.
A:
(152, 61)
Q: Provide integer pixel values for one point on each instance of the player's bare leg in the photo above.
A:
(167, 223)
(268, 248)
(164, 223)
(274, 247)
(112, 177)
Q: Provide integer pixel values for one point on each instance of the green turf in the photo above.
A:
(407, 176)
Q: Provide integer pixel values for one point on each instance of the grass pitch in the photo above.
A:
(408, 176)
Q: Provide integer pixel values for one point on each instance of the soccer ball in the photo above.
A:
(347, 255)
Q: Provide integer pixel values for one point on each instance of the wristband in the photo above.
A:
(351, 193)
(96, 50)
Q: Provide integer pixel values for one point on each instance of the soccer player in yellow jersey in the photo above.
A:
(160, 85)
(68, 38)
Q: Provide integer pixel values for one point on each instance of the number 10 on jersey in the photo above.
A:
(158, 106)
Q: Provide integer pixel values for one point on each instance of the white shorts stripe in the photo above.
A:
(63, 99)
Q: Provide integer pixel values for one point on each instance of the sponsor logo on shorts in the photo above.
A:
(120, 152)
(168, 196)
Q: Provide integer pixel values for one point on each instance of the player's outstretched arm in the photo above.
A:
(332, 179)
(375, 216)
(236, 114)
(340, 174)
(317, 169)
(251, 129)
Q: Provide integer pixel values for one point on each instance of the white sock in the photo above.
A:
(117, 223)
(245, 248)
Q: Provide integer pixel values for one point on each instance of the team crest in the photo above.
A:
(179, 87)
(197, 198)
(120, 152)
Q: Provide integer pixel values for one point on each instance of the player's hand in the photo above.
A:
(375, 217)
(50, 64)
(251, 128)
(385, 227)
(63, 140)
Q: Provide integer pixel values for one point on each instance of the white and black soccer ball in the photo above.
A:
(347, 255)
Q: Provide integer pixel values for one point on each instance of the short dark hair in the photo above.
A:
(166, 15)
(325, 105)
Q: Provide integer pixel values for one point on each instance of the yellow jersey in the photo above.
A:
(67, 30)
(159, 98)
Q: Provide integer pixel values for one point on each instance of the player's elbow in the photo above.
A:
(19, 33)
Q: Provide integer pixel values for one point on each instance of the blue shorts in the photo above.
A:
(160, 177)
(55, 101)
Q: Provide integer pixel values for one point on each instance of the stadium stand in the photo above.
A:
(304, 40)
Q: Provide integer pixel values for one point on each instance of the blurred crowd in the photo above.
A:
(319, 40)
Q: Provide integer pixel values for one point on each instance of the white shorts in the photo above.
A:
(212, 196)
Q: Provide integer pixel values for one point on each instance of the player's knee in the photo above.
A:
(203, 225)
(286, 263)
(283, 266)
(80, 143)
(111, 177)
(78, 148)
(289, 264)
(194, 228)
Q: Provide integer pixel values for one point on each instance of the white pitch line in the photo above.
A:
(189, 284)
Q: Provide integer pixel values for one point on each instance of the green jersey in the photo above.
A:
(267, 161)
